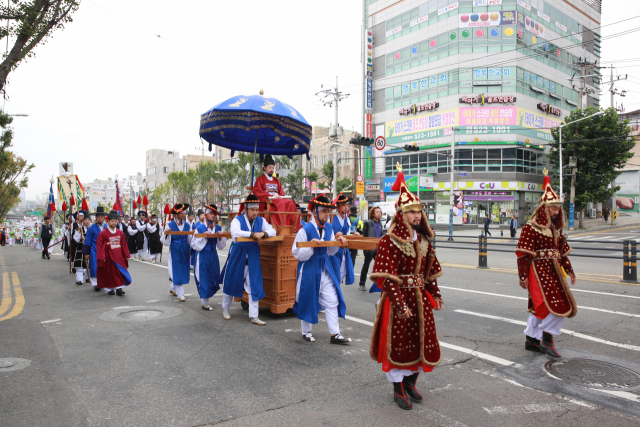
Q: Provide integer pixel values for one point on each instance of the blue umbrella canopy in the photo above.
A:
(256, 123)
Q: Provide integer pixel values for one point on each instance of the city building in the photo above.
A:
(628, 197)
(322, 150)
(100, 191)
(159, 164)
(488, 77)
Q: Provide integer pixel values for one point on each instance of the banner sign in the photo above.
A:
(530, 24)
(486, 19)
(488, 116)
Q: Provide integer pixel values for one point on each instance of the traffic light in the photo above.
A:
(366, 142)
(411, 148)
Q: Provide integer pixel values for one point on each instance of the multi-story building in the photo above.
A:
(489, 78)
(322, 150)
(159, 164)
(628, 197)
(100, 191)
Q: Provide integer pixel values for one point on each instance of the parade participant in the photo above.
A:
(269, 187)
(130, 230)
(154, 230)
(179, 273)
(76, 245)
(404, 338)
(3, 236)
(113, 258)
(207, 267)
(341, 261)
(243, 271)
(191, 218)
(121, 225)
(89, 248)
(201, 218)
(543, 264)
(79, 262)
(66, 234)
(142, 242)
(372, 228)
(194, 225)
(318, 284)
(356, 227)
(12, 237)
(46, 233)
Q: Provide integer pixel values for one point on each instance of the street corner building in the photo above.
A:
(406, 269)
(543, 266)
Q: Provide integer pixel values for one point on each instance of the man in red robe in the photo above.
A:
(268, 186)
(112, 254)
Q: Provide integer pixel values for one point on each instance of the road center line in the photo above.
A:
(602, 310)
(565, 331)
(50, 321)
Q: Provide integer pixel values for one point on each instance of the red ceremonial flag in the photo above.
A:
(64, 206)
(85, 207)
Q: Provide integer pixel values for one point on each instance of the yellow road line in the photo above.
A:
(19, 305)
(6, 294)
(513, 271)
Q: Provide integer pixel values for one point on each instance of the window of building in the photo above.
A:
(165, 169)
(347, 157)
(152, 185)
(324, 160)
(315, 161)
(151, 171)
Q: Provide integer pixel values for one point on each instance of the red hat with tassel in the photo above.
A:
(407, 201)
(549, 197)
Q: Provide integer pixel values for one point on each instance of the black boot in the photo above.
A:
(400, 396)
(547, 345)
(410, 387)
(532, 344)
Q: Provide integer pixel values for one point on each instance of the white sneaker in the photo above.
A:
(225, 315)
(257, 321)
(182, 299)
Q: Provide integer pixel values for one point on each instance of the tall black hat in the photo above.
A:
(268, 160)
(99, 211)
(113, 215)
(179, 208)
(200, 212)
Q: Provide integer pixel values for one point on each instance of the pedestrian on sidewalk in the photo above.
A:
(513, 226)
(543, 265)
(372, 228)
(487, 222)
(605, 214)
(46, 233)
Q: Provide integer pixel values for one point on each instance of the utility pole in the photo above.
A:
(330, 97)
(622, 94)
(451, 197)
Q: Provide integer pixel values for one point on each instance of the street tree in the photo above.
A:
(327, 171)
(13, 169)
(292, 181)
(602, 146)
(244, 162)
(205, 172)
(227, 184)
(159, 197)
(184, 185)
(30, 23)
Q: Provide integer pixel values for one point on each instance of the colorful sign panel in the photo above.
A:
(368, 163)
(411, 181)
(488, 116)
(486, 19)
(426, 122)
(369, 104)
(530, 24)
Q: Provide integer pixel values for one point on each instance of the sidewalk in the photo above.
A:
(625, 219)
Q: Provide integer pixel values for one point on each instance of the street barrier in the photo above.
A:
(629, 253)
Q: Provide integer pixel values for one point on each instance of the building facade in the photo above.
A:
(487, 79)
(159, 164)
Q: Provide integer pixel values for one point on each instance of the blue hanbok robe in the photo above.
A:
(309, 274)
(179, 253)
(207, 265)
(233, 273)
(90, 247)
(195, 226)
(338, 259)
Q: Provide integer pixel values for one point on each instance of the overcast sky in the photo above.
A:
(107, 88)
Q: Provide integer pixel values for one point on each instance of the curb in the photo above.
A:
(602, 227)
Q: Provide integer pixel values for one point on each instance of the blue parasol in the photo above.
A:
(258, 124)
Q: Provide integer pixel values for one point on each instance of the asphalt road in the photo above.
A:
(77, 363)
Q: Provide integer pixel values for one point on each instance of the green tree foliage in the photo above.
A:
(327, 171)
(30, 23)
(13, 169)
(604, 147)
(184, 186)
(244, 162)
(205, 173)
(227, 184)
(159, 197)
(292, 181)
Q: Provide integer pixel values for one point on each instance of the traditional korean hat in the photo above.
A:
(341, 199)
(190, 212)
(268, 160)
(251, 201)
(200, 212)
(113, 215)
(354, 210)
(179, 208)
(319, 203)
(99, 211)
(212, 207)
(141, 213)
(126, 217)
(407, 201)
(549, 197)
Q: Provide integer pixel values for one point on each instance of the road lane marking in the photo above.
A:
(523, 298)
(6, 294)
(531, 408)
(564, 331)
(19, 304)
(479, 355)
(50, 321)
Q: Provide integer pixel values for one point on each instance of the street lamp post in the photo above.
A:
(571, 201)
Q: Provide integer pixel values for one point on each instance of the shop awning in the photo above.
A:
(490, 198)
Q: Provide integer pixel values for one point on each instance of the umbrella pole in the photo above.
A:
(253, 165)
